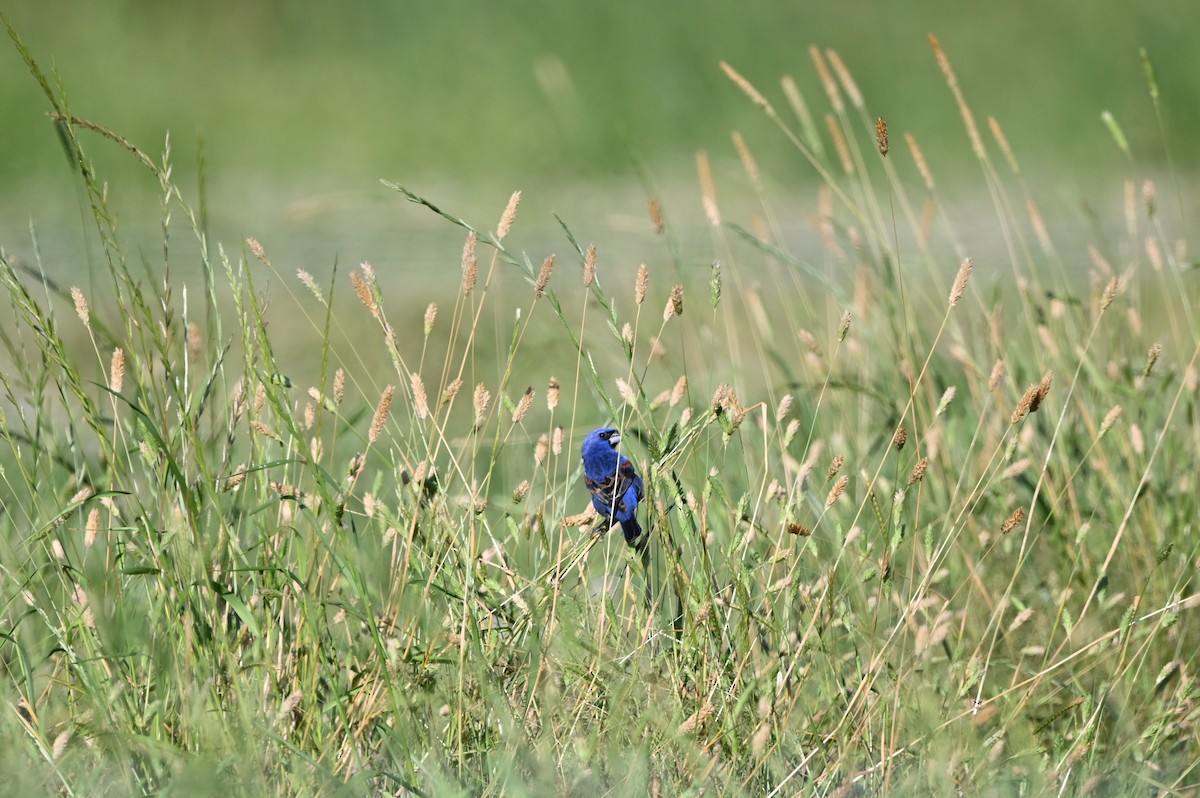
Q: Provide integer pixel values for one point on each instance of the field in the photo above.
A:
(921, 490)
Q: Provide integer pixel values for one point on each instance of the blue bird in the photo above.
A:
(615, 486)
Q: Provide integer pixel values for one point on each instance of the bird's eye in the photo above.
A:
(605, 435)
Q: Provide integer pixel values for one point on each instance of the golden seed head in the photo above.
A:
(256, 249)
(784, 407)
(81, 306)
(656, 217)
(844, 326)
(452, 389)
(420, 400)
(509, 215)
(639, 287)
(430, 317)
(310, 283)
(919, 160)
(1110, 293)
(1013, 519)
(960, 282)
(1110, 419)
(626, 391)
(363, 291)
(847, 81)
(523, 405)
(116, 370)
(838, 489)
(834, 467)
(900, 438)
(708, 190)
(679, 391)
(339, 386)
(381, 413)
(918, 471)
(1152, 358)
(839, 143)
(747, 89)
(541, 449)
(748, 162)
(677, 299)
(947, 398)
(543, 277)
(589, 265)
(1002, 141)
(810, 342)
(827, 81)
(556, 441)
(194, 340)
(91, 527)
(521, 492)
(470, 266)
(996, 376)
(552, 393)
(795, 528)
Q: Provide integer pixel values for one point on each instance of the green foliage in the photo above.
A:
(218, 576)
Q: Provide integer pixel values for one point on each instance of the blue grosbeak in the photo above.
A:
(615, 486)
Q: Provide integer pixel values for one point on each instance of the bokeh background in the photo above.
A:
(302, 107)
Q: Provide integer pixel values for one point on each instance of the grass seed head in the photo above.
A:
(420, 400)
(900, 438)
(509, 216)
(639, 286)
(918, 471)
(381, 412)
(523, 405)
(470, 266)
(116, 370)
(960, 282)
(81, 306)
(656, 217)
(1013, 519)
(543, 277)
(589, 265)
(552, 392)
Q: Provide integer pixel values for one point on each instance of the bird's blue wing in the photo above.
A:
(616, 486)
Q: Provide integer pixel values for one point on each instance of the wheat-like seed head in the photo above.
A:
(509, 215)
(543, 277)
(381, 413)
(81, 306)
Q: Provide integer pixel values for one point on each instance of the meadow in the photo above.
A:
(921, 521)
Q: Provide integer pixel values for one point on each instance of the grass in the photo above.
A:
(918, 525)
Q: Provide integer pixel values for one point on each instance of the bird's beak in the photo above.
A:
(614, 439)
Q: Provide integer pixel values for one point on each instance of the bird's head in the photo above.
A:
(600, 437)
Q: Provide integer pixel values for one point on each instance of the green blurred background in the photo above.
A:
(304, 106)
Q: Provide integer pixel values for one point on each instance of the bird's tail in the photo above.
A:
(634, 535)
